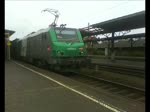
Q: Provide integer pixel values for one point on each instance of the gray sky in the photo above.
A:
(25, 17)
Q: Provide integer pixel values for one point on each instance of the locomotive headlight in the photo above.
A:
(81, 53)
(60, 53)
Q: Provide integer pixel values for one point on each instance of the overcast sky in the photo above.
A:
(25, 17)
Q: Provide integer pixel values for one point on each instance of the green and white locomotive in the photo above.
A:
(55, 46)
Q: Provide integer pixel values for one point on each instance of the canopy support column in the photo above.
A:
(112, 47)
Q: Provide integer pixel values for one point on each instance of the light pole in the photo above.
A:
(8, 45)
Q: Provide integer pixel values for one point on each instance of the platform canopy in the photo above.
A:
(128, 22)
(10, 32)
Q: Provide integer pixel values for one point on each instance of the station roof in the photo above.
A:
(118, 37)
(128, 22)
(9, 31)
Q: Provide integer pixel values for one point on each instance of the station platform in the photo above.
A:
(27, 92)
(36, 90)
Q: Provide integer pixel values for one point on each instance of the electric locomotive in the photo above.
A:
(57, 47)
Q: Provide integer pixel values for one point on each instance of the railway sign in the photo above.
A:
(8, 43)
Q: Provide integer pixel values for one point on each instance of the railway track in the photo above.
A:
(119, 69)
(122, 90)
(119, 89)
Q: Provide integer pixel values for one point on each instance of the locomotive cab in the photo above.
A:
(68, 46)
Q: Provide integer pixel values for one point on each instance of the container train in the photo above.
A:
(56, 47)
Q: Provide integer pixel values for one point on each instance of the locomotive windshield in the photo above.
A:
(66, 35)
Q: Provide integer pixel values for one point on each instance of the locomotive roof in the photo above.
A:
(42, 31)
(65, 27)
(36, 33)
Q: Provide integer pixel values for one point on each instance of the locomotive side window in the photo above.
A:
(66, 35)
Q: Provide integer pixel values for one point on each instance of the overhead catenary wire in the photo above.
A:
(104, 12)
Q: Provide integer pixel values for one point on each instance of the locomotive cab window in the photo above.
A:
(66, 35)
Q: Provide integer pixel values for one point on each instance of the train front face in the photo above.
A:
(68, 46)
